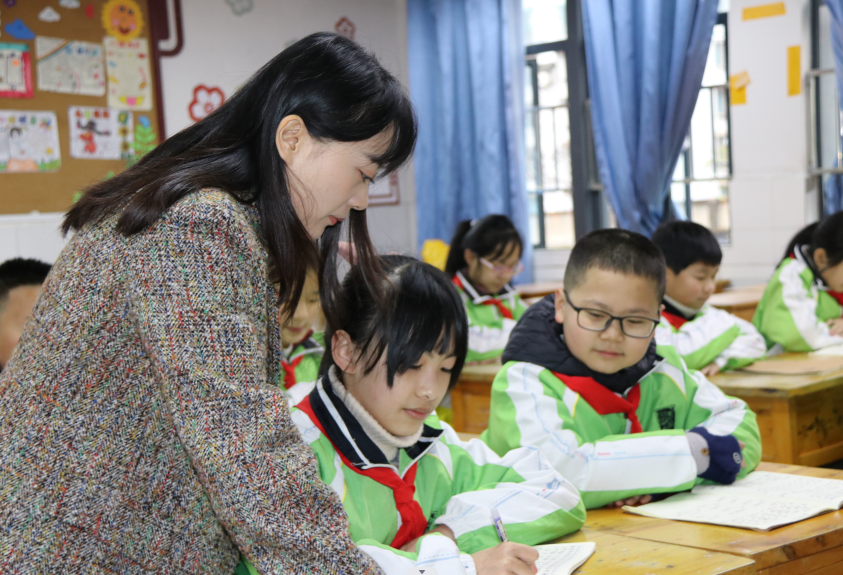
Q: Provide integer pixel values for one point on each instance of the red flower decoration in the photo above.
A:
(345, 27)
(205, 100)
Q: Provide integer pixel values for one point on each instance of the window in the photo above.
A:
(700, 189)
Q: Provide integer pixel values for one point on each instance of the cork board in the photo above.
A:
(23, 192)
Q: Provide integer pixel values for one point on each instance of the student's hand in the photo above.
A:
(711, 369)
(506, 559)
(836, 326)
(410, 546)
(743, 459)
(634, 500)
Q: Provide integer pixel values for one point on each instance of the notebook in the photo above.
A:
(562, 558)
(832, 350)
(808, 365)
(760, 501)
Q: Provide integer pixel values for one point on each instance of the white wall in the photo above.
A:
(223, 49)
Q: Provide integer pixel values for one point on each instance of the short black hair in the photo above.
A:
(619, 251)
(687, 243)
(491, 237)
(423, 312)
(19, 272)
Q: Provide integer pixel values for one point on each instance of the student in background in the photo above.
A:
(583, 383)
(485, 255)
(707, 338)
(20, 284)
(371, 423)
(303, 348)
(801, 307)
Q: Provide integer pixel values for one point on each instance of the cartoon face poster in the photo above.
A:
(100, 133)
(128, 71)
(29, 141)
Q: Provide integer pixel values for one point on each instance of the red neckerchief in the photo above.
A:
(290, 366)
(676, 321)
(604, 401)
(505, 311)
(413, 521)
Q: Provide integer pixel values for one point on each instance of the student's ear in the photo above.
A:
(559, 305)
(661, 309)
(821, 258)
(470, 257)
(290, 137)
(344, 351)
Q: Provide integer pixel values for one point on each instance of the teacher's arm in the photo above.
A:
(199, 303)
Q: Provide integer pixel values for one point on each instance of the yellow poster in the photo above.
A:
(764, 11)
(794, 70)
(737, 88)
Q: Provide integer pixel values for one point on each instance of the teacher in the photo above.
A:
(141, 430)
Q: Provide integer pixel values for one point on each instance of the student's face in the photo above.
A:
(491, 279)
(327, 179)
(13, 315)
(616, 293)
(414, 394)
(831, 275)
(301, 322)
(693, 285)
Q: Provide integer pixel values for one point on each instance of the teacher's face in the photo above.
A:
(327, 179)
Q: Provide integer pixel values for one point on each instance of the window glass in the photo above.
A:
(544, 21)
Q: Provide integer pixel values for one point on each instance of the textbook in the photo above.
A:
(761, 501)
(562, 558)
(832, 350)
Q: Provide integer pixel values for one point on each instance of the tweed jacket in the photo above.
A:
(141, 430)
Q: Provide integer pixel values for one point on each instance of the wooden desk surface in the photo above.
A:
(619, 555)
(480, 373)
(812, 546)
(749, 295)
(539, 289)
(745, 384)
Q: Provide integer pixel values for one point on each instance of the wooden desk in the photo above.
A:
(740, 302)
(537, 290)
(471, 397)
(619, 555)
(800, 416)
(812, 546)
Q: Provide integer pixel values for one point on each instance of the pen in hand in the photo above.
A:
(498, 523)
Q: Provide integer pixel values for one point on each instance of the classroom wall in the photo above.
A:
(222, 49)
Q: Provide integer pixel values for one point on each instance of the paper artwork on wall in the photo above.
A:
(240, 7)
(29, 141)
(100, 133)
(737, 88)
(794, 70)
(9, 3)
(345, 27)
(122, 19)
(18, 30)
(70, 67)
(145, 137)
(205, 100)
(385, 191)
(127, 65)
(89, 11)
(49, 14)
(763, 11)
(15, 71)
(69, 4)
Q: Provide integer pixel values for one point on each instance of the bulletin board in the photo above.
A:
(104, 113)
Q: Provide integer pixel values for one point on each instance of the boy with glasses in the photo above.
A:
(584, 383)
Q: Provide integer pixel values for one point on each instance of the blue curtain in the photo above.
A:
(834, 183)
(466, 62)
(645, 61)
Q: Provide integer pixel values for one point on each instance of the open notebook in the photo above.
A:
(760, 501)
(562, 558)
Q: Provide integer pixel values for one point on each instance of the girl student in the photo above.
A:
(416, 496)
(485, 255)
(303, 347)
(801, 306)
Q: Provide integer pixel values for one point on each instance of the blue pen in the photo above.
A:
(498, 523)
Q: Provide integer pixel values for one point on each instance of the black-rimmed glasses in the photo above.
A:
(598, 320)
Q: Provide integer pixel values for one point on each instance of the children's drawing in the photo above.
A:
(345, 27)
(49, 14)
(240, 7)
(18, 30)
(127, 65)
(205, 100)
(122, 19)
(15, 71)
(89, 11)
(70, 67)
(100, 133)
(70, 4)
(145, 137)
(29, 141)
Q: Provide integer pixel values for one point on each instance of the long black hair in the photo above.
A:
(489, 237)
(826, 234)
(340, 91)
(422, 313)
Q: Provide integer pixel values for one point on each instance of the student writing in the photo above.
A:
(801, 306)
(707, 338)
(485, 255)
(584, 382)
(416, 496)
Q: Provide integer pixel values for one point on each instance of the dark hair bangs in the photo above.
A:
(687, 243)
(489, 237)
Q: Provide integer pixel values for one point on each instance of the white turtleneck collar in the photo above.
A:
(389, 444)
(688, 312)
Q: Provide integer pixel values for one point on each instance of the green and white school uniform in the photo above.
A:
(491, 318)
(610, 444)
(301, 361)
(394, 489)
(795, 307)
(703, 336)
